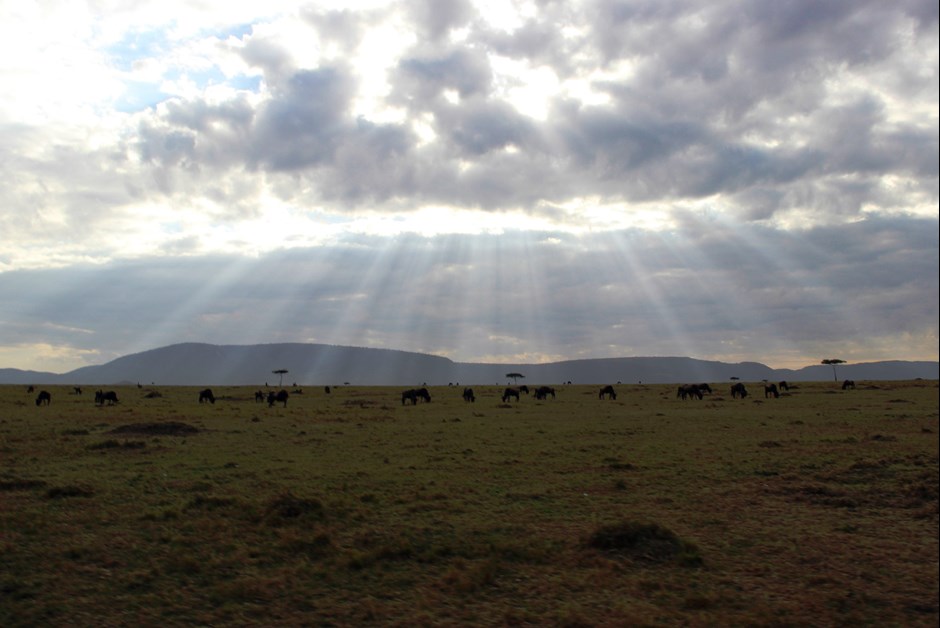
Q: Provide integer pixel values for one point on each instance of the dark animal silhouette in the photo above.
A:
(510, 392)
(326, 389)
(77, 390)
(705, 388)
(468, 395)
(30, 390)
(524, 389)
(784, 385)
(259, 396)
(607, 391)
(770, 390)
(847, 384)
(689, 391)
(280, 397)
(542, 392)
(109, 397)
(206, 396)
(738, 390)
(43, 398)
(414, 394)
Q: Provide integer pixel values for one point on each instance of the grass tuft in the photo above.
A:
(58, 492)
(644, 542)
(288, 507)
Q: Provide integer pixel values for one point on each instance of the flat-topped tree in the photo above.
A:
(515, 376)
(280, 375)
(833, 362)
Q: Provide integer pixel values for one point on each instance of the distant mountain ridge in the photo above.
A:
(191, 364)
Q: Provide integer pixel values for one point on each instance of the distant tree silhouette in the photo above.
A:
(515, 376)
(280, 375)
(833, 362)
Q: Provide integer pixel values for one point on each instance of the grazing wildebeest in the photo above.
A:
(259, 396)
(607, 391)
(206, 395)
(770, 390)
(280, 397)
(326, 389)
(847, 384)
(738, 390)
(524, 389)
(689, 391)
(76, 390)
(784, 385)
(510, 392)
(30, 390)
(413, 394)
(705, 388)
(468, 395)
(542, 392)
(44, 398)
(109, 397)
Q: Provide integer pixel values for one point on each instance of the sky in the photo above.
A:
(490, 181)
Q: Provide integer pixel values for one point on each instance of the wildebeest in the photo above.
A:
(510, 392)
(847, 384)
(705, 388)
(784, 385)
(43, 398)
(414, 394)
(607, 391)
(770, 390)
(259, 396)
(468, 395)
(109, 397)
(280, 397)
(206, 395)
(738, 390)
(524, 389)
(542, 392)
(689, 391)
(326, 389)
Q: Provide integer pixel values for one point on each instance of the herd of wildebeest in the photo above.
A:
(413, 395)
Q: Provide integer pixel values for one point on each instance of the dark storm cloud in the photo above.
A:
(632, 292)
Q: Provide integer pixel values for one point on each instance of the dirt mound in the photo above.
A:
(171, 428)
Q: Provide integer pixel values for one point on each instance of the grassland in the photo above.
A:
(346, 509)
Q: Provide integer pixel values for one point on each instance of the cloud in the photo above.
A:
(577, 176)
(836, 289)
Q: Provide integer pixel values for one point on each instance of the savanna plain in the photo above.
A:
(349, 508)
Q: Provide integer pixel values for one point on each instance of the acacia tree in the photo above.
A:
(833, 362)
(515, 376)
(280, 375)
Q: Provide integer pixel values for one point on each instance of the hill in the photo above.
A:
(318, 364)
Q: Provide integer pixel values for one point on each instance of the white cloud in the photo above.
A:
(156, 130)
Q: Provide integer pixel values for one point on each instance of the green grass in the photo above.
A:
(817, 508)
